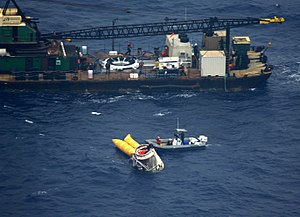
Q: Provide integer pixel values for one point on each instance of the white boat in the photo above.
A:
(179, 141)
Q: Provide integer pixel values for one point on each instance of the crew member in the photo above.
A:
(141, 65)
(158, 141)
(149, 147)
(107, 66)
(128, 49)
(182, 70)
(196, 54)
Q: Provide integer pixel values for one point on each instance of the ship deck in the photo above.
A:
(256, 67)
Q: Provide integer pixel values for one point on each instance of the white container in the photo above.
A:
(2, 51)
(90, 74)
(113, 53)
(134, 75)
(84, 50)
(168, 63)
(212, 63)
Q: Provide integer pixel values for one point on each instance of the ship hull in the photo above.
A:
(207, 83)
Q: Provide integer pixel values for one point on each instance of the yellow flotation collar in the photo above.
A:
(124, 146)
(134, 144)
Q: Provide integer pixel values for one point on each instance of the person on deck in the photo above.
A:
(107, 66)
(128, 49)
(182, 70)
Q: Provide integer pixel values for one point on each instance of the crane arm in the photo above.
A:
(265, 21)
(161, 28)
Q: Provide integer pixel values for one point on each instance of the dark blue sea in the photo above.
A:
(56, 154)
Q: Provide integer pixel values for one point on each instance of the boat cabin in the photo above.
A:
(180, 133)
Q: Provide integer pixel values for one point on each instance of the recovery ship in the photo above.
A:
(30, 59)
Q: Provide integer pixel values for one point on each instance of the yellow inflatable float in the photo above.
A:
(134, 144)
(124, 147)
(127, 146)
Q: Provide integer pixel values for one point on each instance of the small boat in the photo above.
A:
(179, 141)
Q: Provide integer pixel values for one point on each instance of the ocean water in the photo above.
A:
(56, 154)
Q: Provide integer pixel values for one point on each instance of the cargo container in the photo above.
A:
(212, 63)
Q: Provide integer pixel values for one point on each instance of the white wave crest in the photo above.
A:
(160, 114)
(115, 99)
(6, 106)
(29, 121)
(96, 113)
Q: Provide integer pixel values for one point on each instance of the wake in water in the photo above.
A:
(214, 144)
(162, 113)
(290, 73)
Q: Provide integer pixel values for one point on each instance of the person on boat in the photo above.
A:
(196, 55)
(182, 70)
(150, 146)
(143, 151)
(158, 141)
(107, 66)
(146, 149)
(141, 65)
(196, 50)
(128, 49)
(182, 137)
(170, 142)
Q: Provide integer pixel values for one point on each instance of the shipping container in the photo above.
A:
(212, 63)
(11, 63)
(6, 34)
(26, 34)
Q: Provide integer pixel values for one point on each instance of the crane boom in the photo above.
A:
(161, 28)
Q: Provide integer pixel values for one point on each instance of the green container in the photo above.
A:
(9, 64)
(26, 34)
(37, 64)
(6, 34)
(62, 64)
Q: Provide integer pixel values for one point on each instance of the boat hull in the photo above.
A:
(207, 83)
(164, 145)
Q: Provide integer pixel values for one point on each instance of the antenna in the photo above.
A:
(177, 123)
(185, 15)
